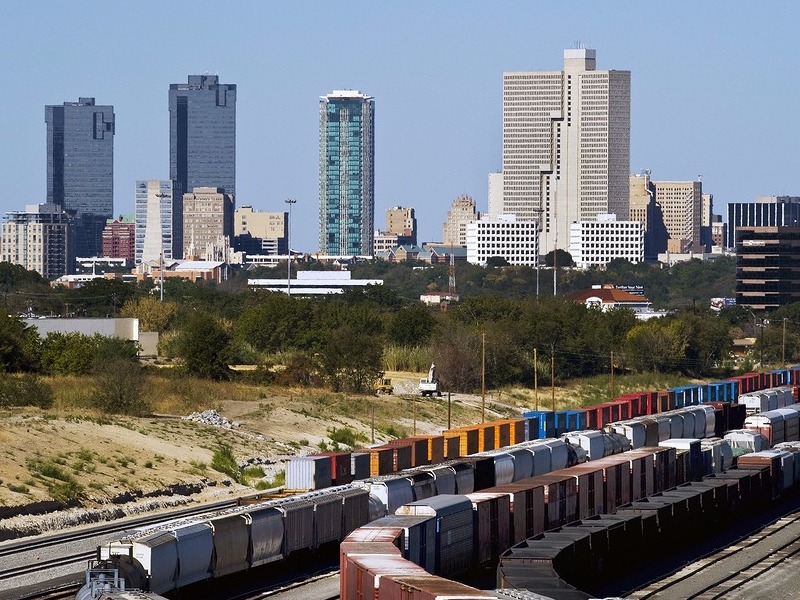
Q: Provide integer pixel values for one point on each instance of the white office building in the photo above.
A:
(159, 220)
(566, 145)
(505, 236)
(598, 242)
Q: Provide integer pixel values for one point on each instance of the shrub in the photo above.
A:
(119, 388)
(224, 462)
(24, 390)
(345, 436)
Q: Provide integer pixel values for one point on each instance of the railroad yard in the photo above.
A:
(144, 462)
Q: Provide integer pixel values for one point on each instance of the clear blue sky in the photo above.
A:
(715, 89)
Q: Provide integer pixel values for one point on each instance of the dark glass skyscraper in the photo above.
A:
(202, 134)
(346, 173)
(80, 167)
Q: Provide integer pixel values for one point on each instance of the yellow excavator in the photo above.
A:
(383, 385)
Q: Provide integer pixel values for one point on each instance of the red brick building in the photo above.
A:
(119, 240)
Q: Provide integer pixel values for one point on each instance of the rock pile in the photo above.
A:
(213, 418)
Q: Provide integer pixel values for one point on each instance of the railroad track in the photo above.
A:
(64, 592)
(34, 543)
(71, 550)
(720, 574)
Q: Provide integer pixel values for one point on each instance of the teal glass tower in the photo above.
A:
(346, 173)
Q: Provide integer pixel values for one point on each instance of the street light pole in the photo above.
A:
(289, 201)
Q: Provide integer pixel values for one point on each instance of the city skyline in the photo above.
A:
(705, 96)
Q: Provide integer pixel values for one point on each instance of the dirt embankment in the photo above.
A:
(108, 467)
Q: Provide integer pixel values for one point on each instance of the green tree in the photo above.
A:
(153, 314)
(457, 354)
(709, 341)
(656, 346)
(411, 326)
(77, 354)
(24, 390)
(276, 322)
(562, 257)
(204, 347)
(350, 358)
(19, 345)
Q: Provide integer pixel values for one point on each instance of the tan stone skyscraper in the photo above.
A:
(566, 145)
(207, 223)
(462, 211)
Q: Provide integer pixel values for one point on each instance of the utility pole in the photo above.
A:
(535, 381)
(783, 345)
(289, 201)
(448, 410)
(483, 378)
(612, 374)
(553, 378)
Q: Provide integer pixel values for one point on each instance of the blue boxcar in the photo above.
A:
(547, 422)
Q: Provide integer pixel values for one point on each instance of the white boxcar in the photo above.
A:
(769, 423)
(755, 402)
(309, 473)
(635, 431)
(593, 442)
(747, 439)
(158, 554)
(722, 453)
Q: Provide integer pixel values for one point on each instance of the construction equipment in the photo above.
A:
(430, 385)
(383, 385)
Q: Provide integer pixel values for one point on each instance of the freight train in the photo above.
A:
(173, 554)
(551, 535)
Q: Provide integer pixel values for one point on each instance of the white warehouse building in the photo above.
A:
(600, 241)
(503, 235)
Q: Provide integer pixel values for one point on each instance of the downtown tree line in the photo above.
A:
(345, 342)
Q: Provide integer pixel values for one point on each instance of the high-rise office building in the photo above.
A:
(119, 239)
(766, 211)
(681, 204)
(39, 239)
(159, 220)
(766, 266)
(202, 134)
(643, 208)
(495, 193)
(401, 221)
(566, 145)
(80, 167)
(207, 224)
(462, 212)
(257, 232)
(346, 173)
